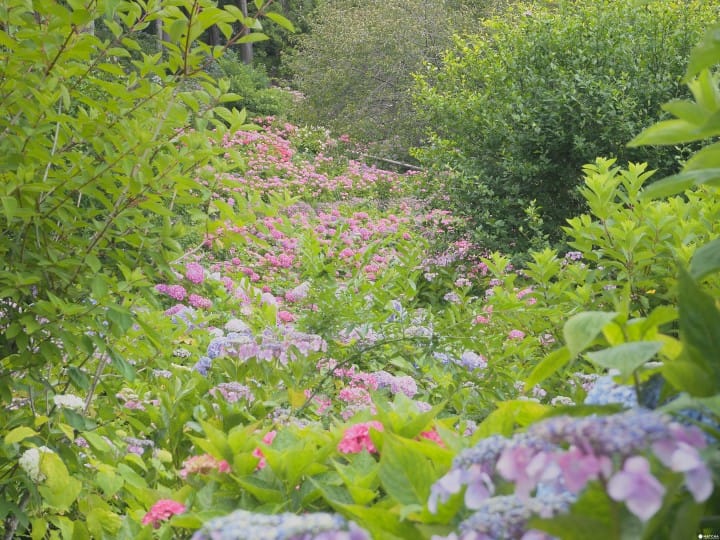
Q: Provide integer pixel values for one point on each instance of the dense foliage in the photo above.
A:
(218, 330)
(537, 91)
(354, 66)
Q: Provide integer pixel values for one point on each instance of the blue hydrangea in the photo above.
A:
(606, 391)
(244, 525)
(203, 365)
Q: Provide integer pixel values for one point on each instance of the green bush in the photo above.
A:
(252, 84)
(354, 66)
(517, 108)
(96, 157)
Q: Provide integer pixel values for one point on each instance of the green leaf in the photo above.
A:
(10, 206)
(19, 434)
(252, 38)
(690, 376)
(626, 358)
(582, 329)
(280, 21)
(548, 366)
(705, 54)
(405, 473)
(706, 260)
(699, 326)
(96, 441)
(677, 183)
(59, 490)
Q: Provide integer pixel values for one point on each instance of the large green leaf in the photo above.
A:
(626, 358)
(706, 54)
(706, 260)
(699, 327)
(582, 329)
(405, 473)
(548, 366)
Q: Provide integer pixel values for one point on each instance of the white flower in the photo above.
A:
(30, 463)
(69, 401)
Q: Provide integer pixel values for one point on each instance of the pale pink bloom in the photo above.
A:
(526, 467)
(516, 334)
(579, 468)
(357, 438)
(203, 464)
(162, 510)
(635, 485)
(681, 454)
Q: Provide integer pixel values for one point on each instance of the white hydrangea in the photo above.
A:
(30, 463)
(69, 401)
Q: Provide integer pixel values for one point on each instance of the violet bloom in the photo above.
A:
(680, 453)
(194, 273)
(635, 485)
(578, 468)
(526, 466)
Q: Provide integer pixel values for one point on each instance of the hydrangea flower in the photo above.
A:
(162, 510)
(30, 463)
(635, 485)
(244, 525)
(194, 273)
(69, 401)
(203, 464)
(357, 438)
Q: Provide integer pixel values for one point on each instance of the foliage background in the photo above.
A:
(518, 106)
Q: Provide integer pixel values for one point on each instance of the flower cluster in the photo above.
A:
(162, 510)
(564, 453)
(232, 392)
(69, 401)
(244, 525)
(30, 463)
(357, 438)
(203, 464)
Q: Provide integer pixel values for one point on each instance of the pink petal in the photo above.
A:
(620, 486)
(700, 483)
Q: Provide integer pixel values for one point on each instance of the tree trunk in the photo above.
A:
(246, 51)
(161, 34)
(214, 36)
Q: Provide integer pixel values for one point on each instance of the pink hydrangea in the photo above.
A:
(357, 438)
(194, 273)
(635, 485)
(516, 334)
(432, 435)
(285, 316)
(203, 464)
(267, 439)
(199, 302)
(162, 510)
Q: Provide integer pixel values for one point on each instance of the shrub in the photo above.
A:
(252, 84)
(517, 108)
(95, 156)
(354, 67)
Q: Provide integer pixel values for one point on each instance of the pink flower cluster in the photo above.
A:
(194, 273)
(268, 438)
(162, 510)
(203, 464)
(566, 453)
(357, 438)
